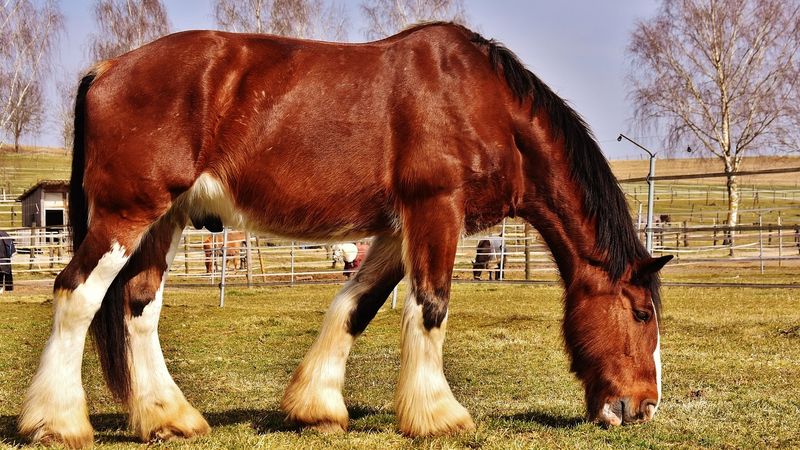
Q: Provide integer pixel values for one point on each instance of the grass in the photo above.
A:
(21, 170)
(731, 368)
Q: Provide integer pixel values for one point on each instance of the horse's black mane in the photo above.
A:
(602, 198)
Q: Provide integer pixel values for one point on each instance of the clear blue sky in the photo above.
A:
(577, 47)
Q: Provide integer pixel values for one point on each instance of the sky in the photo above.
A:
(577, 47)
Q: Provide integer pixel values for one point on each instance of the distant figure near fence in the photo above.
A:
(488, 251)
(351, 255)
(212, 247)
(7, 250)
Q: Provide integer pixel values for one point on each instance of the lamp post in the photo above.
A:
(651, 185)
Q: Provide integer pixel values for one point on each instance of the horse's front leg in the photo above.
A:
(424, 402)
(314, 395)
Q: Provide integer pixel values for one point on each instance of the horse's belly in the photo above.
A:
(307, 214)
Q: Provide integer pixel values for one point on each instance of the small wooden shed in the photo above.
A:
(45, 204)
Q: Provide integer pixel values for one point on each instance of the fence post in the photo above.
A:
(291, 256)
(186, 253)
(394, 297)
(224, 264)
(33, 248)
(260, 260)
(651, 195)
(502, 250)
(685, 234)
(213, 257)
(248, 259)
(527, 252)
(760, 244)
(780, 241)
(714, 224)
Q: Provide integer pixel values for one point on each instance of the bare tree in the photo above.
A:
(387, 17)
(66, 111)
(311, 19)
(721, 75)
(28, 116)
(125, 25)
(28, 36)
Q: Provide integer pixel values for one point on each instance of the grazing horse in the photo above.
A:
(485, 254)
(449, 132)
(212, 248)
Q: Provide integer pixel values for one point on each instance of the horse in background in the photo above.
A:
(449, 133)
(486, 252)
(234, 254)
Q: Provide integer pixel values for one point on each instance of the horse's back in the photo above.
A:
(305, 138)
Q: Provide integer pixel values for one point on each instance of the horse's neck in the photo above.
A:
(554, 205)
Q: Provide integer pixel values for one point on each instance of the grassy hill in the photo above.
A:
(19, 171)
(624, 169)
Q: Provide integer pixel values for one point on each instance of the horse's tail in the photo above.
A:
(108, 325)
(78, 207)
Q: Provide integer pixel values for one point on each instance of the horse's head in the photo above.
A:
(611, 331)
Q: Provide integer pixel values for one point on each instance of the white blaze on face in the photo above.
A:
(657, 358)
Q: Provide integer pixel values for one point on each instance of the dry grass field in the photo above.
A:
(731, 370)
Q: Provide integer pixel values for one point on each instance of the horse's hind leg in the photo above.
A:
(314, 395)
(55, 409)
(158, 409)
(424, 402)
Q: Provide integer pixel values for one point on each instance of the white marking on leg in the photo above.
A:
(55, 402)
(424, 403)
(314, 395)
(158, 409)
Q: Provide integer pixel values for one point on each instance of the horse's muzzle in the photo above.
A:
(626, 411)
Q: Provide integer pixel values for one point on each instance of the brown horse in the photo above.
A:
(212, 248)
(449, 133)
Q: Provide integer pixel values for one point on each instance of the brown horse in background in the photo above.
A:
(449, 133)
(212, 248)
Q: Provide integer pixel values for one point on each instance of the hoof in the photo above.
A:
(328, 427)
(165, 424)
(440, 427)
(324, 412)
(445, 417)
(47, 424)
(80, 436)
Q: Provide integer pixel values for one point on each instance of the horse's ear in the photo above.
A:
(650, 266)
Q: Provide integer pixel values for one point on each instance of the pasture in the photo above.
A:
(731, 369)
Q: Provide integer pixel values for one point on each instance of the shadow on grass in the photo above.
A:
(545, 418)
(8, 431)
(270, 421)
(106, 426)
(113, 428)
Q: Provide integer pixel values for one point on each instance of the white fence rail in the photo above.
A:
(261, 259)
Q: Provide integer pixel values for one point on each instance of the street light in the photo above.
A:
(651, 185)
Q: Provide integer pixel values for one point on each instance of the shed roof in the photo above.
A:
(48, 185)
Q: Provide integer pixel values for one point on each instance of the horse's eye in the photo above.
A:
(642, 316)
